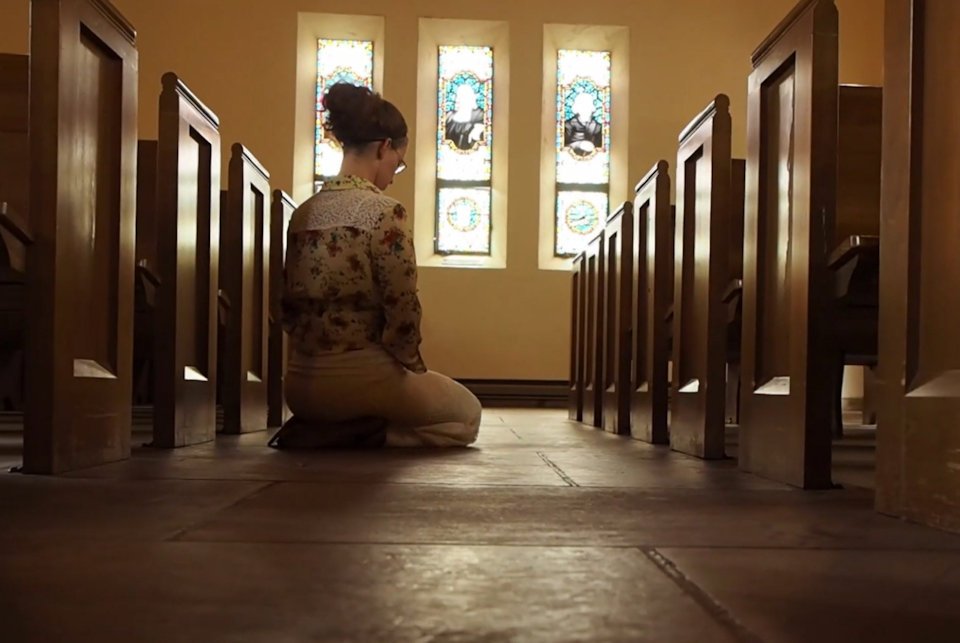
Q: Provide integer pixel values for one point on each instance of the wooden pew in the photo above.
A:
(14, 148)
(14, 204)
(245, 280)
(652, 288)
(618, 319)
(855, 258)
(792, 348)
(577, 334)
(708, 269)
(919, 365)
(281, 210)
(146, 278)
(733, 295)
(178, 235)
(593, 356)
(79, 269)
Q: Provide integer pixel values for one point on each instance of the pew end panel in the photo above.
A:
(618, 318)
(595, 255)
(80, 270)
(704, 219)
(652, 292)
(791, 187)
(577, 346)
(187, 241)
(281, 210)
(245, 277)
(918, 400)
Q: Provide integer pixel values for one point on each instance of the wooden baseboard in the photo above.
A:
(852, 404)
(520, 393)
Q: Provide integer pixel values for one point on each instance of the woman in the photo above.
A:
(350, 305)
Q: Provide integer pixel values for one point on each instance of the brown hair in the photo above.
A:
(357, 116)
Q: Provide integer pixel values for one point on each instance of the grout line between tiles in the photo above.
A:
(708, 603)
(182, 532)
(560, 472)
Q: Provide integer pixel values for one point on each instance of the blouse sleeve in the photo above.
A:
(395, 272)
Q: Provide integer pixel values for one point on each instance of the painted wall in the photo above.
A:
(239, 56)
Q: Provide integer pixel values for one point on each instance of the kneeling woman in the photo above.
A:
(350, 302)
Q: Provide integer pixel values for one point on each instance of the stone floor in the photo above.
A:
(545, 531)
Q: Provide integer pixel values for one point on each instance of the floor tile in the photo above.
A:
(239, 593)
(832, 596)
(329, 512)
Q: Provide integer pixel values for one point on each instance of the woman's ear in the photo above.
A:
(382, 148)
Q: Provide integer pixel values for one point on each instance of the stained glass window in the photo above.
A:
(582, 147)
(464, 149)
(338, 61)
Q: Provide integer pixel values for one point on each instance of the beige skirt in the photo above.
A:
(426, 409)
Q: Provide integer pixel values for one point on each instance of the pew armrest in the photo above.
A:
(11, 221)
(733, 290)
(851, 248)
(145, 270)
(224, 300)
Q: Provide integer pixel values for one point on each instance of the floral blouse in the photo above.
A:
(350, 276)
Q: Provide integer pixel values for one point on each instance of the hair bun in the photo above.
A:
(357, 115)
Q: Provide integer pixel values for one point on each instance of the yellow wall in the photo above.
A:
(240, 58)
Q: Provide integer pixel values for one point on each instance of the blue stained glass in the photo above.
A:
(464, 149)
(583, 116)
(338, 61)
(465, 113)
(463, 222)
(579, 217)
(582, 147)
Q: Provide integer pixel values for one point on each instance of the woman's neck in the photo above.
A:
(359, 166)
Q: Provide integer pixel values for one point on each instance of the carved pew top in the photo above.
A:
(732, 291)
(825, 22)
(174, 87)
(14, 223)
(619, 212)
(659, 169)
(110, 12)
(241, 153)
(852, 246)
(720, 104)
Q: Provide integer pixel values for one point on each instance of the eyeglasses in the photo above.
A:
(401, 164)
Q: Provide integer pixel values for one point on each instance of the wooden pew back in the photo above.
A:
(859, 150)
(245, 278)
(14, 155)
(733, 293)
(146, 281)
(652, 293)
(14, 203)
(618, 317)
